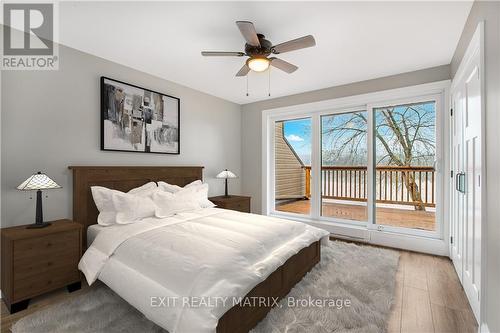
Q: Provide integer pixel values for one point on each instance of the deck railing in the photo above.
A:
(413, 185)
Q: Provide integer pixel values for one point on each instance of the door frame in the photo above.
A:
(476, 45)
(421, 243)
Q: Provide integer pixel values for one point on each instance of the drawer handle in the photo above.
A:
(49, 244)
(49, 263)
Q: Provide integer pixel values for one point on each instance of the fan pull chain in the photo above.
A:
(247, 83)
(269, 83)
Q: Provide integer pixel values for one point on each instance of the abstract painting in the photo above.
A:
(137, 119)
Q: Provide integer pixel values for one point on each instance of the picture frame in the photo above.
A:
(137, 119)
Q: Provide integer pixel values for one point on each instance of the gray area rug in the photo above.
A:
(352, 288)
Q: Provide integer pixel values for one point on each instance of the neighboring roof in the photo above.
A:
(290, 146)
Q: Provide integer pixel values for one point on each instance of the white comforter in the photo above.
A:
(202, 256)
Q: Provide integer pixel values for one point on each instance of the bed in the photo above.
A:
(123, 280)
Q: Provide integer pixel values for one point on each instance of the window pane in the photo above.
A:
(405, 176)
(344, 166)
(292, 166)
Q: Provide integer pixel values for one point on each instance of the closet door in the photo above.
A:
(468, 166)
(472, 164)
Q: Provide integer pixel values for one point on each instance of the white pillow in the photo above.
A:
(131, 208)
(176, 188)
(195, 183)
(145, 190)
(201, 191)
(104, 203)
(109, 207)
(166, 187)
(168, 204)
(202, 196)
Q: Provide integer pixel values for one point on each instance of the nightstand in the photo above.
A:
(233, 202)
(36, 261)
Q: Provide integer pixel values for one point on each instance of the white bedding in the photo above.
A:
(210, 253)
(92, 232)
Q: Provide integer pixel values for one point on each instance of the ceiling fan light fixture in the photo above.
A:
(258, 64)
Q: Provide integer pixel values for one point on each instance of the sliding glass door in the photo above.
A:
(372, 165)
(292, 166)
(344, 160)
(405, 179)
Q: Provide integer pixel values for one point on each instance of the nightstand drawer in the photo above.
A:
(47, 245)
(241, 206)
(233, 202)
(49, 280)
(26, 267)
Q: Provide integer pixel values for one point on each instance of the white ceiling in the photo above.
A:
(355, 40)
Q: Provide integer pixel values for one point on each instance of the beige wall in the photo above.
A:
(290, 174)
(251, 118)
(489, 12)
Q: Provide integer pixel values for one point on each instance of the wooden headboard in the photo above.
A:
(122, 178)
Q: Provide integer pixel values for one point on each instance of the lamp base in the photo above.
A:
(38, 225)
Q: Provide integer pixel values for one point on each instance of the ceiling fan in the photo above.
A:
(258, 49)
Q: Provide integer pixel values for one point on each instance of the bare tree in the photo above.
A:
(405, 136)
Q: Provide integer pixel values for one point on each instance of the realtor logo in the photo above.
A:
(28, 35)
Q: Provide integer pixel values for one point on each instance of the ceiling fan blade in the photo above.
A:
(243, 71)
(248, 31)
(283, 65)
(294, 44)
(223, 54)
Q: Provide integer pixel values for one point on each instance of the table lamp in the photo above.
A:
(39, 181)
(226, 174)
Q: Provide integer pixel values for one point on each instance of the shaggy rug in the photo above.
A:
(350, 290)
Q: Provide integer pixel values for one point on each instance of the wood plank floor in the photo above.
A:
(407, 218)
(428, 299)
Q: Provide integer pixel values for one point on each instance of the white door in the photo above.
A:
(471, 274)
(467, 166)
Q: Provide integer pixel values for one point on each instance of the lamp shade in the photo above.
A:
(38, 181)
(258, 64)
(226, 174)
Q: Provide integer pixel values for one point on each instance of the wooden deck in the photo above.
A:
(407, 218)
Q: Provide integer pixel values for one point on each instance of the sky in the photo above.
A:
(298, 134)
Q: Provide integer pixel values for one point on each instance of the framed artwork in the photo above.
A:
(138, 120)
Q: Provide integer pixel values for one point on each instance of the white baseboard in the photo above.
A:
(351, 231)
(408, 242)
(399, 241)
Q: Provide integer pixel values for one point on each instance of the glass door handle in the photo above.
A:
(460, 182)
